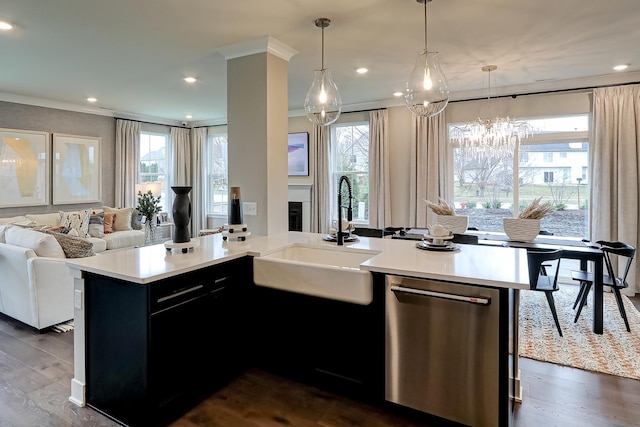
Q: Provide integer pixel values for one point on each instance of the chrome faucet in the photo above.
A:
(341, 234)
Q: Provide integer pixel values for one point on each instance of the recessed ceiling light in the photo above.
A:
(361, 70)
(5, 26)
(92, 99)
(397, 93)
(189, 116)
(190, 79)
(620, 67)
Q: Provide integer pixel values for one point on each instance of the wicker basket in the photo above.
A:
(521, 230)
(454, 223)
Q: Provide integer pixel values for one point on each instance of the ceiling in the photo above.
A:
(133, 54)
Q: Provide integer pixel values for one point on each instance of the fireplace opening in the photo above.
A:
(295, 216)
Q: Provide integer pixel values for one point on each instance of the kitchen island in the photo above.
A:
(144, 287)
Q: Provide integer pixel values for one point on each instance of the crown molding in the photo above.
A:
(38, 102)
(263, 44)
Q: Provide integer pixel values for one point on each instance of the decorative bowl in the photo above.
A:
(521, 230)
(454, 223)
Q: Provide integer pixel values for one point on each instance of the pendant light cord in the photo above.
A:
(322, 49)
(425, 25)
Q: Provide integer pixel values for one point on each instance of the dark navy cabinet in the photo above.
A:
(154, 350)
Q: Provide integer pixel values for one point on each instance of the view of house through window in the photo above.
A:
(217, 173)
(153, 160)
(350, 157)
(552, 164)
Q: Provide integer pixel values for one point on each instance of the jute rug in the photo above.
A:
(615, 352)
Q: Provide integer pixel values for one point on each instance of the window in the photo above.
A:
(489, 189)
(350, 157)
(548, 177)
(217, 175)
(153, 164)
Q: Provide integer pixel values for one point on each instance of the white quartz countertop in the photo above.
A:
(472, 264)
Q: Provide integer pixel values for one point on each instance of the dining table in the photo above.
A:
(584, 251)
(572, 248)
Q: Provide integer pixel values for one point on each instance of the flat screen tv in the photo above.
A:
(299, 154)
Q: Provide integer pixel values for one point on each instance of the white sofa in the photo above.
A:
(34, 289)
(36, 286)
(116, 240)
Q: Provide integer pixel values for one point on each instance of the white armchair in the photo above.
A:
(35, 290)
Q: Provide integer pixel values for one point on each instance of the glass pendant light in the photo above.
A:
(426, 92)
(323, 103)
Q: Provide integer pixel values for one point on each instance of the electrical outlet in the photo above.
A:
(250, 208)
(77, 299)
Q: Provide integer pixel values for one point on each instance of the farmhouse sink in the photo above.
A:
(322, 271)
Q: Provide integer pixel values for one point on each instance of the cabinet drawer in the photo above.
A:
(186, 287)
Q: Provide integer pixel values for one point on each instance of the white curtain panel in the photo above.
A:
(430, 169)
(127, 159)
(379, 192)
(321, 201)
(179, 162)
(199, 180)
(615, 163)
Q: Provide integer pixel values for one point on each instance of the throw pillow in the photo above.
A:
(42, 244)
(73, 247)
(78, 221)
(96, 225)
(3, 229)
(123, 218)
(136, 220)
(109, 218)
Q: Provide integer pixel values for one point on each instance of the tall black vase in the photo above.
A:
(181, 215)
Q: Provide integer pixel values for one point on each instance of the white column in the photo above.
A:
(257, 118)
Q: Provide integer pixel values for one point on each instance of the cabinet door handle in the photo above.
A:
(221, 279)
(177, 294)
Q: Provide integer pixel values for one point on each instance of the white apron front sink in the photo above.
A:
(322, 271)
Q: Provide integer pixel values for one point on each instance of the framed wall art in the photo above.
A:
(24, 168)
(76, 169)
(299, 154)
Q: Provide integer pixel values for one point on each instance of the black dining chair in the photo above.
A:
(368, 232)
(467, 239)
(610, 279)
(539, 280)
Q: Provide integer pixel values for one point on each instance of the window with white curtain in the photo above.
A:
(350, 157)
(217, 175)
(489, 189)
(154, 164)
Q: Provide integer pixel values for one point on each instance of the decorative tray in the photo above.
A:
(448, 246)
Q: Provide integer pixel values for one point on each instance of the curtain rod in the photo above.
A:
(544, 92)
(150, 123)
(515, 95)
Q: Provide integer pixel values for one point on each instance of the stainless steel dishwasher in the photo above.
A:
(442, 349)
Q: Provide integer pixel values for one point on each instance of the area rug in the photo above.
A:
(615, 352)
(63, 327)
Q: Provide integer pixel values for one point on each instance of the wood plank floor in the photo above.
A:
(36, 370)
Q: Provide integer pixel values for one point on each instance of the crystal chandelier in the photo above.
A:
(426, 91)
(323, 104)
(495, 137)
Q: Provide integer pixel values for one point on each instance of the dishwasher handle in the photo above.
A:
(442, 295)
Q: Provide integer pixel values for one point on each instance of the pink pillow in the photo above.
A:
(109, 218)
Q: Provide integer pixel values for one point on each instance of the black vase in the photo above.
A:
(181, 215)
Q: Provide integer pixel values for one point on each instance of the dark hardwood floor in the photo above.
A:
(36, 370)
